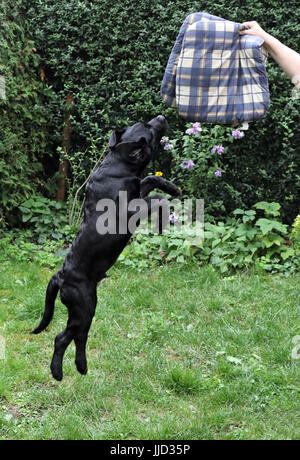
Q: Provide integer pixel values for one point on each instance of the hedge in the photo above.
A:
(24, 118)
(111, 56)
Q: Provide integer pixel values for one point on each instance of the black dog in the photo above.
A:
(92, 254)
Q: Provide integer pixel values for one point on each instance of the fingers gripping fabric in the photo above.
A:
(214, 74)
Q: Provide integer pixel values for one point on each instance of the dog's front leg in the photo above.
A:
(151, 182)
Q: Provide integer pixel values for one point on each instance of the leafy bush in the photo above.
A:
(19, 248)
(76, 184)
(24, 119)
(199, 164)
(246, 240)
(146, 250)
(45, 217)
(296, 232)
(251, 237)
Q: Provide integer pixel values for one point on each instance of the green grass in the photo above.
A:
(173, 353)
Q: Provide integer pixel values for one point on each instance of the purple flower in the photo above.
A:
(195, 129)
(218, 173)
(165, 142)
(218, 148)
(237, 134)
(173, 218)
(187, 164)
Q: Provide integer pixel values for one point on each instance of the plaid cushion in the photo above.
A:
(214, 74)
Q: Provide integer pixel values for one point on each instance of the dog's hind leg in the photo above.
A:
(81, 304)
(61, 343)
(81, 335)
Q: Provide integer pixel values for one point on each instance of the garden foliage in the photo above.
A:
(111, 56)
(254, 237)
(24, 118)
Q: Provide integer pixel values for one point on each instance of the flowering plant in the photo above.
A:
(200, 156)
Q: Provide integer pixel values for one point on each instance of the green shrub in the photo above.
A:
(250, 237)
(19, 248)
(254, 237)
(115, 73)
(24, 118)
(296, 232)
(199, 165)
(248, 240)
(45, 217)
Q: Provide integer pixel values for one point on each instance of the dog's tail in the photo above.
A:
(51, 293)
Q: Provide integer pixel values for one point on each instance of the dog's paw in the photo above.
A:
(56, 369)
(174, 190)
(81, 366)
(57, 373)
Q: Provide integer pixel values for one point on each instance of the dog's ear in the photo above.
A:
(115, 138)
(131, 151)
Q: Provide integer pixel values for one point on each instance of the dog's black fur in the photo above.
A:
(92, 254)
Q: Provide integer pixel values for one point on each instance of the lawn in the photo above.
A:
(173, 353)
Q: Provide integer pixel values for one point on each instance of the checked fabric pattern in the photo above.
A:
(214, 74)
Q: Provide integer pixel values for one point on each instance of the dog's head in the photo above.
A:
(137, 143)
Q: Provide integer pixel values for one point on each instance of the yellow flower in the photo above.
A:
(159, 173)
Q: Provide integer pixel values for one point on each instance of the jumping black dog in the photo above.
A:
(93, 253)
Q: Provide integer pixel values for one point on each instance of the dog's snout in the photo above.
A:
(158, 119)
(159, 123)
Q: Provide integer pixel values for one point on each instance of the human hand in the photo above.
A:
(287, 58)
(254, 29)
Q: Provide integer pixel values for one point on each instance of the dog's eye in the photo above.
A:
(135, 152)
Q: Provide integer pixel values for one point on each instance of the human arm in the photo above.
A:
(286, 58)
